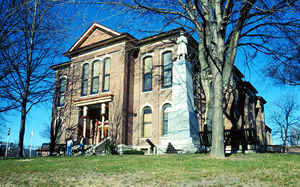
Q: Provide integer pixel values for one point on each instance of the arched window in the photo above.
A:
(106, 75)
(147, 73)
(147, 122)
(85, 76)
(165, 113)
(167, 69)
(61, 91)
(95, 77)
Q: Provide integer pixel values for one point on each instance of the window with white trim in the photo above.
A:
(84, 82)
(147, 73)
(165, 113)
(147, 122)
(167, 69)
(106, 74)
(95, 77)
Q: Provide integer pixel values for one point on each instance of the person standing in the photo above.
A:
(69, 147)
(81, 145)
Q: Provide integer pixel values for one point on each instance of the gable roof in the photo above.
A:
(96, 32)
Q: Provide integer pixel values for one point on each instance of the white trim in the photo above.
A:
(92, 27)
(163, 89)
(106, 28)
(145, 105)
(106, 56)
(95, 59)
(147, 54)
(63, 76)
(166, 102)
(163, 50)
(94, 101)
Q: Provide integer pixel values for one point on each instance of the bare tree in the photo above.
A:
(8, 28)
(31, 54)
(294, 138)
(284, 67)
(222, 27)
(115, 124)
(285, 118)
(63, 105)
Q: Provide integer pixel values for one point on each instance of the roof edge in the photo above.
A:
(56, 66)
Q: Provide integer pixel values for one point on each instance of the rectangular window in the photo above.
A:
(106, 75)
(95, 77)
(62, 89)
(147, 123)
(84, 83)
(167, 69)
(147, 73)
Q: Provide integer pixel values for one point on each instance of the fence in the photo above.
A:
(13, 150)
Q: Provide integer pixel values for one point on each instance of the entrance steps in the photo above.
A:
(98, 149)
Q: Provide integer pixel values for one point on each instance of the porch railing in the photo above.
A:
(231, 137)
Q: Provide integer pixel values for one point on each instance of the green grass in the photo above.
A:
(163, 170)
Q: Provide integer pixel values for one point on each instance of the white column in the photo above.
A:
(98, 134)
(102, 122)
(85, 110)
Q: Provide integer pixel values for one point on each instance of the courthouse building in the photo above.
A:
(116, 84)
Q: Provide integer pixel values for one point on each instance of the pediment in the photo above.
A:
(95, 33)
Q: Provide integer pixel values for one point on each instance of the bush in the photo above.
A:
(133, 152)
(111, 147)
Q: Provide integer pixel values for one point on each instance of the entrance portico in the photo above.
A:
(94, 117)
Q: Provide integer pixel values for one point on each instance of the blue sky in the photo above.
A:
(40, 116)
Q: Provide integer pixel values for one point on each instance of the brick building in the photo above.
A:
(115, 83)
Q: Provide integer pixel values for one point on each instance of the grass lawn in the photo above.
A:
(164, 170)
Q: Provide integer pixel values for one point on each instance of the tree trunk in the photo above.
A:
(22, 129)
(218, 119)
(52, 131)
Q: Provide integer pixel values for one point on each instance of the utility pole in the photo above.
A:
(8, 133)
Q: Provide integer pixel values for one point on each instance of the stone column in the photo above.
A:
(85, 110)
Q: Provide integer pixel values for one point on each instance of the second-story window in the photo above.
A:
(147, 73)
(106, 75)
(95, 77)
(85, 76)
(167, 69)
(61, 91)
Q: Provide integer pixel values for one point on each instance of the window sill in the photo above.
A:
(165, 88)
(149, 91)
